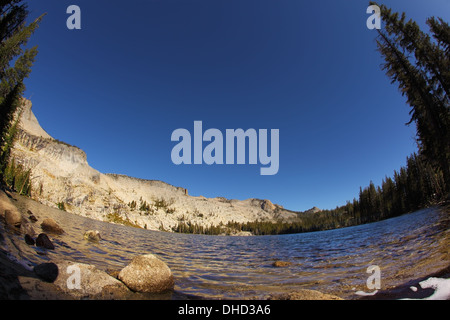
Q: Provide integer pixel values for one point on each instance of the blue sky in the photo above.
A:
(134, 73)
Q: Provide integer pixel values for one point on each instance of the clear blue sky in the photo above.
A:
(138, 70)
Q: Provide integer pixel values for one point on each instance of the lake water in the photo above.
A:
(405, 248)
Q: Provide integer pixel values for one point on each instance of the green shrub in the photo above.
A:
(117, 218)
(18, 178)
(61, 206)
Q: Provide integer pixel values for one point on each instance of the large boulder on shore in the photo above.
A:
(147, 273)
(83, 281)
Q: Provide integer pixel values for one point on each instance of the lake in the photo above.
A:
(225, 267)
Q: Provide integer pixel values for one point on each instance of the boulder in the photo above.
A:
(13, 218)
(147, 273)
(84, 281)
(92, 235)
(50, 225)
(43, 241)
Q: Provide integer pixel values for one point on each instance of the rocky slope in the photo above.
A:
(61, 175)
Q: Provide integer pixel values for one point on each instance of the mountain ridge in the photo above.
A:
(61, 175)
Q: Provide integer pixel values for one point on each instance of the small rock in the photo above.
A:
(44, 242)
(280, 264)
(29, 240)
(50, 225)
(13, 218)
(147, 273)
(47, 271)
(92, 235)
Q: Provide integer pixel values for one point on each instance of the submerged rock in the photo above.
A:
(147, 273)
(92, 235)
(50, 225)
(280, 264)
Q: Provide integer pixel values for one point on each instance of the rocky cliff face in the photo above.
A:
(61, 175)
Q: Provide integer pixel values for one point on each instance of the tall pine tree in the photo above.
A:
(421, 68)
(15, 65)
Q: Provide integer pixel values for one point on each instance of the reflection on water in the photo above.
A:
(405, 248)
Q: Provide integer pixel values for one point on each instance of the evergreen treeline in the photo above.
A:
(189, 227)
(419, 64)
(412, 187)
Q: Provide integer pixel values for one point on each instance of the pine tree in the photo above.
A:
(421, 68)
(387, 187)
(15, 65)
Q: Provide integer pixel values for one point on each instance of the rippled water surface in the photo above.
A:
(405, 248)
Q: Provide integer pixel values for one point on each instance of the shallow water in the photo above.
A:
(405, 248)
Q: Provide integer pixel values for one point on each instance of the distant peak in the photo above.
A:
(313, 210)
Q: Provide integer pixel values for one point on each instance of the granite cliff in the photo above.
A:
(61, 176)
